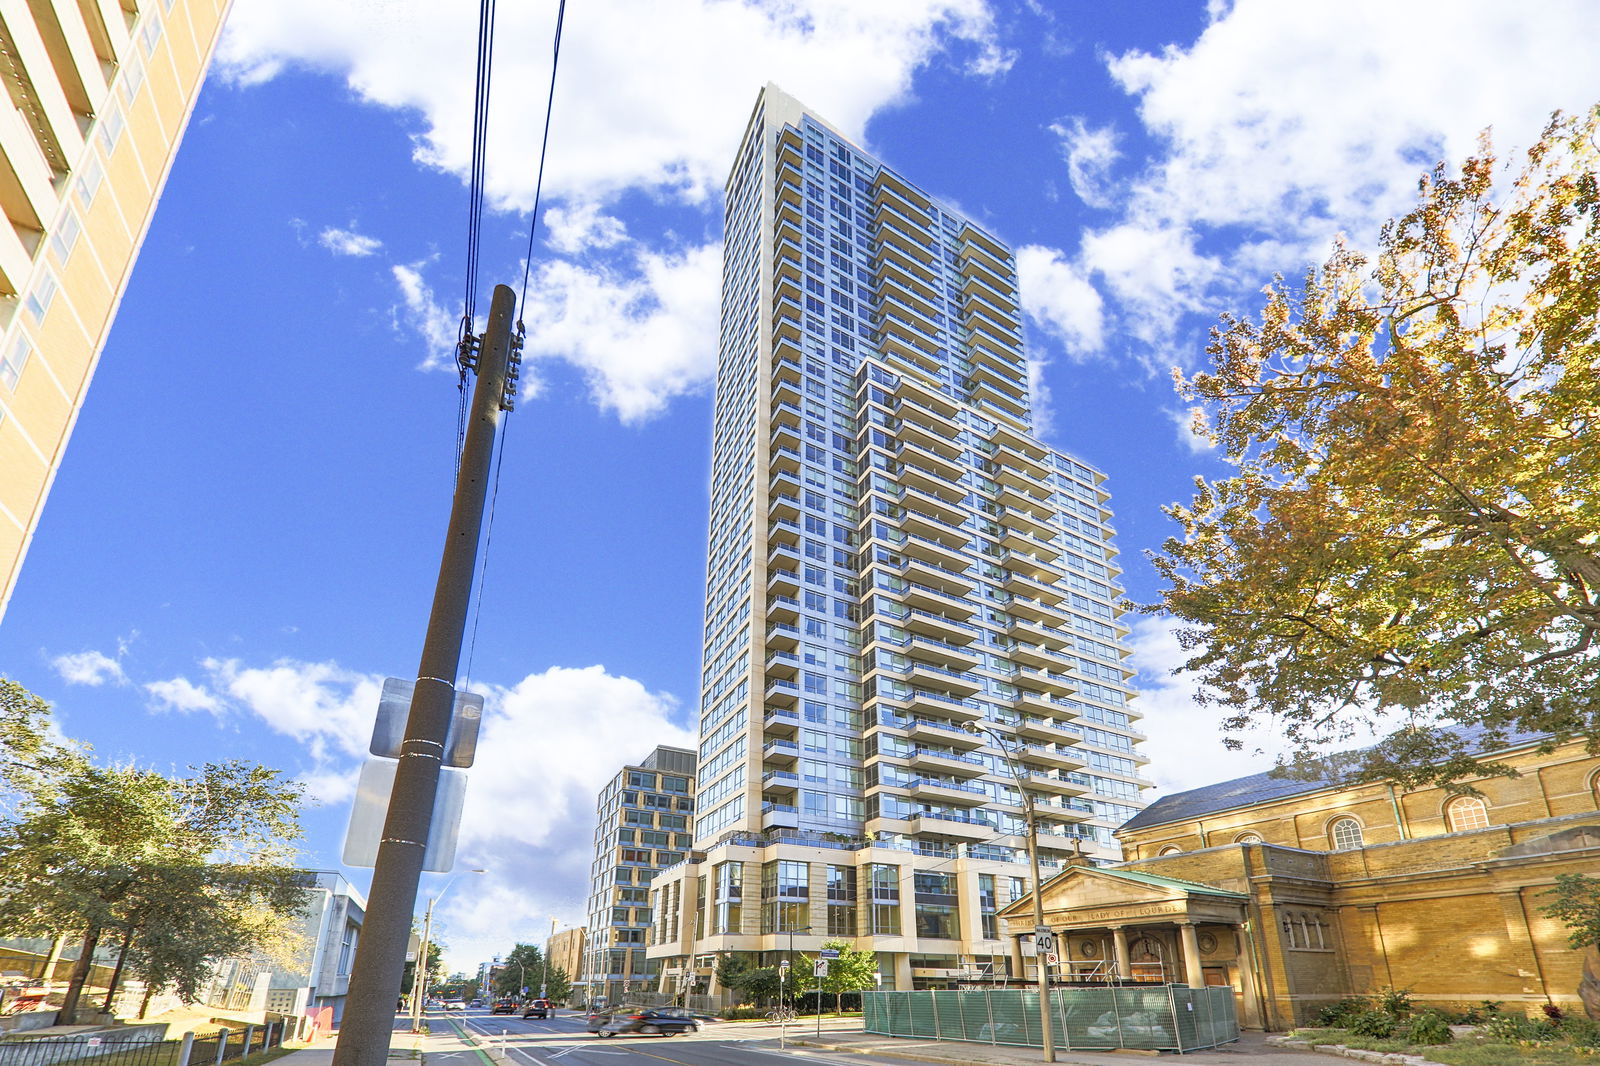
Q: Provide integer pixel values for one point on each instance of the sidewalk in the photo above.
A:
(1251, 1049)
(443, 1043)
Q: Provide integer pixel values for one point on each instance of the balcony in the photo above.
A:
(780, 781)
(1043, 681)
(785, 460)
(940, 626)
(932, 731)
(1051, 783)
(1036, 703)
(929, 550)
(1023, 607)
(1029, 523)
(784, 531)
(929, 791)
(783, 609)
(950, 656)
(784, 582)
(936, 438)
(929, 598)
(1019, 584)
(782, 664)
(1052, 758)
(780, 752)
(948, 762)
(780, 721)
(784, 507)
(938, 678)
(779, 816)
(781, 692)
(783, 637)
(783, 556)
(1046, 729)
(949, 824)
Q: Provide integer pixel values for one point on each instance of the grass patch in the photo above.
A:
(1473, 1049)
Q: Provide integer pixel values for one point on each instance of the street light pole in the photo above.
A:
(419, 976)
(783, 972)
(1045, 1026)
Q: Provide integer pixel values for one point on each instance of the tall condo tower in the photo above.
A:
(101, 91)
(894, 558)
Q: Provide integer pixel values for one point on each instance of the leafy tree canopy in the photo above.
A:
(523, 966)
(1412, 535)
(183, 870)
(1575, 901)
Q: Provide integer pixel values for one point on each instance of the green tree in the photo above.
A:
(179, 871)
(525, 965)
(758, 984)
(1410, 535)
(1575, 901)
(435, 969)
(852, 971)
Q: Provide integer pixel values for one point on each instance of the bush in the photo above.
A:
(734, 1014)
(1339, 1015)
(1395, 1001)
(1430, 1027)
(1581, 1032)
(1519, 1029)
(1375, 1023)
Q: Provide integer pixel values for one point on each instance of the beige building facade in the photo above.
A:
(100, 92)
(1316, 890)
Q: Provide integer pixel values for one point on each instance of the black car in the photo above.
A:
(538, 1008)
(647, 1023)
(504, 1006)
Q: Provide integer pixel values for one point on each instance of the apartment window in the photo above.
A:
(109, 129)
(987, 906)
(132, 81)
(1346, 834)
(150, 36)
(936, 906)
(1466, 812)
(785, 896)
(40, 296)
(12, 362)
(669, 783)
(65, 235)
(883, 883)
(730, 896)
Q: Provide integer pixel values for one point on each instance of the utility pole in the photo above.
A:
(1028, 814)
(369, 1013)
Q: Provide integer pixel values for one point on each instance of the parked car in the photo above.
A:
(648, 1022)
(597, 1019)
(454, 1004)
(504, 1006)
(538, 1008)
(476, 1004)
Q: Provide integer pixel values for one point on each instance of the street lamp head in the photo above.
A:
(971, 727)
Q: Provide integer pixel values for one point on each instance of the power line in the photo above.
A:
(544, 146)
(466, 342)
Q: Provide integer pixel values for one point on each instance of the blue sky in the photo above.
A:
(243, 538)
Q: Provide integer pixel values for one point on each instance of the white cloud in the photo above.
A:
(580, 226)
(1057, 297)
(1283, 125)
(421, 311)
(348, 242)
(665, 84)
(1090, 154)
(1184, 422)
(1185, 746)
(641, 337)
(181, 694)
(92, 668)
(548, 745)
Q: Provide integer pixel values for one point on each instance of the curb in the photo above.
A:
(1386, 1058)
(949, 1060)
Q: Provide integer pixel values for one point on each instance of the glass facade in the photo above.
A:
(911, 601)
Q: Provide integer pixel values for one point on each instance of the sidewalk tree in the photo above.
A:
(1411, 534)
(1575, 902)
(853, 971)
(178, 871)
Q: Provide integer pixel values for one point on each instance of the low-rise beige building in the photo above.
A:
(1299, 893)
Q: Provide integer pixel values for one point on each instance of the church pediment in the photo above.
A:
(1084, 896)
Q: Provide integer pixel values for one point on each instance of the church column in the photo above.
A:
(1119, 939)
(1253, 1018)
(1018, 971)
(1193, 976)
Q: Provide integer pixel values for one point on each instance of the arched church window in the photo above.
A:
(1345, 833)
(1466, 812)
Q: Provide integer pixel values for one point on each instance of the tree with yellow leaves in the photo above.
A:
(1411, 539)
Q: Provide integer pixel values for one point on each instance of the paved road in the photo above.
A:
(564, 1041)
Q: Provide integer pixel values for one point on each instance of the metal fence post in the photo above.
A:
(938, 1030)
(249, 1039)
(988, 1002)
(1172, 1009)
(222, 1045)
(185, 1047)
